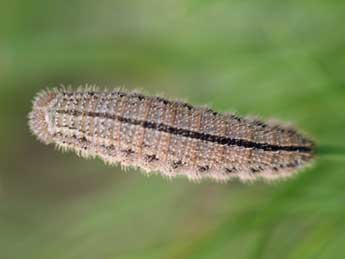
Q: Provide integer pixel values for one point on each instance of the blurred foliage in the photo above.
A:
(282, 59)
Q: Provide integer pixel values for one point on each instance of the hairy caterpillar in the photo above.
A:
(168, 137)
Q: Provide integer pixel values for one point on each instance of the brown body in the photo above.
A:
(169, 137)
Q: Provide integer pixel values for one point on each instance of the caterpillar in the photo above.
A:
(169, 137)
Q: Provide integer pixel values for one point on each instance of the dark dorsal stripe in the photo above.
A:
(221, 140)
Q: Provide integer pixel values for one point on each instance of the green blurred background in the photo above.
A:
(282, 59)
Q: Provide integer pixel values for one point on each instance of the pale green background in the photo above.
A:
(282, 59)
